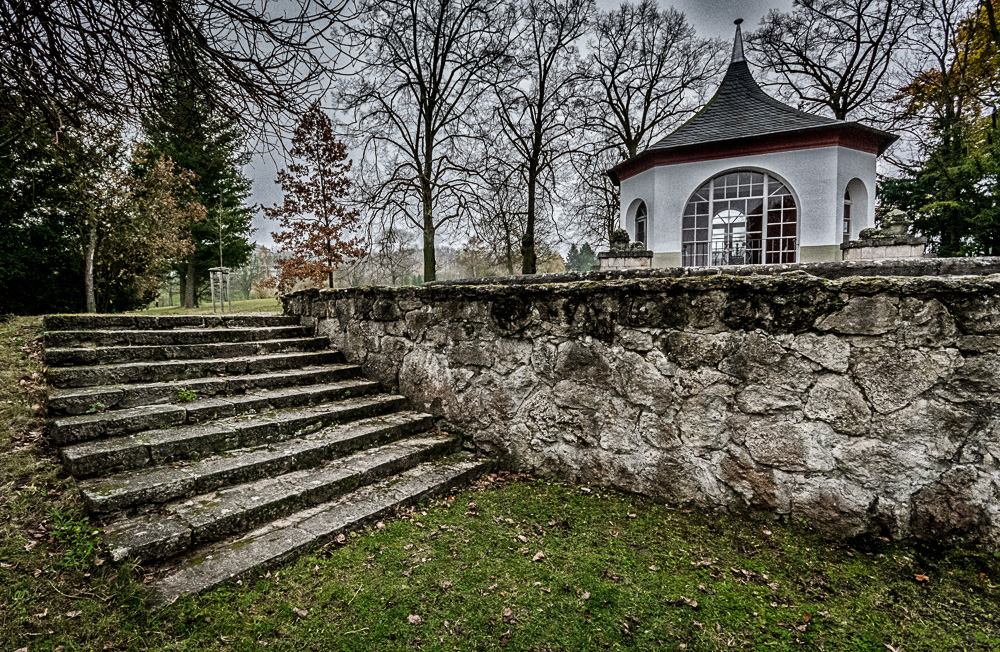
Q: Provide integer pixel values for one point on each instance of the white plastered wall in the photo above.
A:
(817, 178)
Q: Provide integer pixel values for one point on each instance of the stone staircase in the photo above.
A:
(210, 448)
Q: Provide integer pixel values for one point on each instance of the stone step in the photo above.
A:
(285, 539)
(181, 524)
(164, 322)
(149, 372)
(154, 447)
(63, 339)
(81, 400)
(87, 427)
(162, 352)
(170, 482)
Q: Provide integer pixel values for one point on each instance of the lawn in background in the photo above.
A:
(238, 308)
(511, 563)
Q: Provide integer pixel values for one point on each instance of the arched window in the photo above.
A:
(641, 218)
(847, 215)
(724, 222)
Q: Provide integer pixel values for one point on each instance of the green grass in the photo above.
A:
(238, 307)
(618, 572)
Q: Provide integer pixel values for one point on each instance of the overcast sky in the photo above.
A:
(712, 18)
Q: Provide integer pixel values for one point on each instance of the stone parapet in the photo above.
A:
(630, 259)
(885, 247)
(864, 404)
(980, 266)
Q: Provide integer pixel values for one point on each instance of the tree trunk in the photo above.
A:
(189, 286)
(430, 260)
(88, 272)
(528, 259)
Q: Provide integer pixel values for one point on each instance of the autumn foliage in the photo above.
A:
(315, 220)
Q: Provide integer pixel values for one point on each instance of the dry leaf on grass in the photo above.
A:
(414, 619)
(301, 613)
(538, 556)
(921, 578)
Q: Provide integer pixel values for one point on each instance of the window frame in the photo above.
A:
(847, 216)
(770, 214)
(641, 216)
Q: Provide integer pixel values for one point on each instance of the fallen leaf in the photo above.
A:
(301, 613)
(380, 525)
(508, 615)
(28, 546)
(921, 578)
(585, 595)
(585, 490)
(492, 587)
(73, 614)
(522, 538)
(653, 568)
(632, 515)
(445, 585)
(807, 617)
(538, 556)
(43, 614)
(414, 619)
(340, 539)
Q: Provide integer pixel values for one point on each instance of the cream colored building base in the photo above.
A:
(820, 254)
(667, 259)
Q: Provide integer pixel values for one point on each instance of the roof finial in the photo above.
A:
(738, 43)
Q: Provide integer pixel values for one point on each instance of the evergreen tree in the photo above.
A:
(573, 258)
(199, 138)
(953, 192)
(588, 259)
(41, 269)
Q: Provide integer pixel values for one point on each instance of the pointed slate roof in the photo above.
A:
(740, 109)
(740, 112)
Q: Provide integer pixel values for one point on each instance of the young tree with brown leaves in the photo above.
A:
(314, 216)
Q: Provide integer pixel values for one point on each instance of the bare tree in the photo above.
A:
(416, 85)
(499, 212)
(103, 57)
(535, 108)
(395, 256)
(258, 273)
(834, 54)
(938, 85)
(596, 199)
(649, 70)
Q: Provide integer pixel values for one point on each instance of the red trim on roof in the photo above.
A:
(838, 135)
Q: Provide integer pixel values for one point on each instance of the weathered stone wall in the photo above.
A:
(863, 404)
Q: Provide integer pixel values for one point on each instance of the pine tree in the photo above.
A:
(313, 214)
(197, 137)
(573, 258)
(588, 259)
